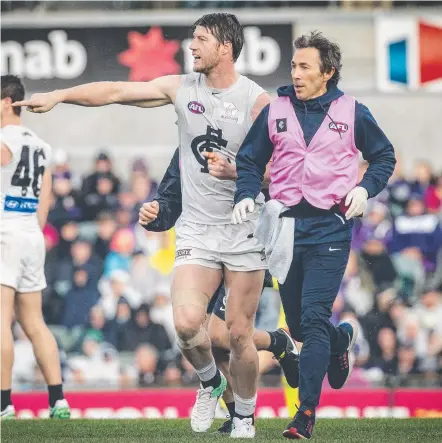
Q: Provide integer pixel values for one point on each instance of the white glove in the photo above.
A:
(240, 210)
(356, 201)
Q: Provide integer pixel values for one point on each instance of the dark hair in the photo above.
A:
(329, 53)
(226, 28)
(13, 88)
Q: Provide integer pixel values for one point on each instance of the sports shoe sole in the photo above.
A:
(292, 434)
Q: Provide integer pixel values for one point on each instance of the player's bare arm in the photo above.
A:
(260, 103)
(44, 200)
(159, 92)
(5, 155)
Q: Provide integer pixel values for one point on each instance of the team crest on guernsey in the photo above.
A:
(196, 107)
(338, 127)
(281, 125)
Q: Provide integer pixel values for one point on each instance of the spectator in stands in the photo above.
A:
(423, 175)
(98, 366)
(100, 189)
(143, 187)
(68, 234)
(161, 311)
(114, 288)
(409, 265)
(146, 358)
(399, 189)
(66, 202)
(103, 165)
(146, 280)
(357, 287)
(61, 165)
(127, 208)
(387, 358)
(103, 328)
(433, 197)
(407, 365)
(420, 230)
(122, 247)
(142, 330)
(106, 227)
(83, 270)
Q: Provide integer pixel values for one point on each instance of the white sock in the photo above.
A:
(208, 372)
(244, 406)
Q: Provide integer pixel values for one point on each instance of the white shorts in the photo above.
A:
(22, 260)
(216, 245)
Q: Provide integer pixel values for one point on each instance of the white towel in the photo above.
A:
(277, 234)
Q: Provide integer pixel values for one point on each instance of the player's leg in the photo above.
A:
(11, 247)
(30, 317)
(244, 290)
(7, 343)
(219, 336)
(192, 288)
(283, 348)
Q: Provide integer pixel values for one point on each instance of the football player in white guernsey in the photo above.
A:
(24, 198)
(216, 107)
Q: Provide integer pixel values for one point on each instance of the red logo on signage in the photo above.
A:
(150, 56)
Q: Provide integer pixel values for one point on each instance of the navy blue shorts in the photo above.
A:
(217, 305)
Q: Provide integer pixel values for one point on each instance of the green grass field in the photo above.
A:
(171, 431)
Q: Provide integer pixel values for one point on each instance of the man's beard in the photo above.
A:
(207, 69)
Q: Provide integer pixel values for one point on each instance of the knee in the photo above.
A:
(32, 328)
(188, 322)
(313, 318)
(186, 329)
(240, 334)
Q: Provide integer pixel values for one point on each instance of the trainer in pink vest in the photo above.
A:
(323, 172)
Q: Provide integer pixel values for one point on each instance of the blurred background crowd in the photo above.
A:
(121, 5)
(108, 294)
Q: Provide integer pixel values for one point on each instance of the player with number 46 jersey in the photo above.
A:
(21, 184)
(24, 199)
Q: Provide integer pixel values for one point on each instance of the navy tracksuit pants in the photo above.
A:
(307, 297)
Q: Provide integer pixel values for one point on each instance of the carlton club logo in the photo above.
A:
(196, 108)
(338, 127)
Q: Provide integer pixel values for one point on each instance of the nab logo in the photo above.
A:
(196, 108)
(338, 127)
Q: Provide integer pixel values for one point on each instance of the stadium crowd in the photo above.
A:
(124, 5)
(108, 300)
